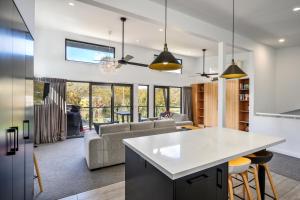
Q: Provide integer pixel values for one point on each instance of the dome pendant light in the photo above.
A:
(233, 71)
(165, 61)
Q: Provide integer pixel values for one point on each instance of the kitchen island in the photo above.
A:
(188, 164)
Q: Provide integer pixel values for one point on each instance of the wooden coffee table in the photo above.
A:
(187, 127)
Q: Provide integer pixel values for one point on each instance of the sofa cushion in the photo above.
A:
(141, 126)
(164, 123)
(114, 128)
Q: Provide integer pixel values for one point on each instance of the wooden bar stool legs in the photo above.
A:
(246, 185)
(271, 181)
(255, 174)
(38, 174)
(230, 188)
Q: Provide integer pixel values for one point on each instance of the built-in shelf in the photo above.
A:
(244, 104)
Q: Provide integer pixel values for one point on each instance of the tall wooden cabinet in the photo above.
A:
(237, 104)
(205, 104)
(16, 105)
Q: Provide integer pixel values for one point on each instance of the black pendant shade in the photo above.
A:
(233, 71)
(165, 61)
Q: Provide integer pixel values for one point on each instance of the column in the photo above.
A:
(221, 85)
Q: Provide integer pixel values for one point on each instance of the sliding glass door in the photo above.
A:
(167, 99)
(101, 108)
(122, 103)
(78, 94)
(161, 98)
(175, 99)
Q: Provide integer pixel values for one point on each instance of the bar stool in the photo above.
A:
(239, 166)
(261, 159)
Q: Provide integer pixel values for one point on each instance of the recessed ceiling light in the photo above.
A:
(71, 4)
(137, 41)
(281, 40)
(161, 30)
(296, 9)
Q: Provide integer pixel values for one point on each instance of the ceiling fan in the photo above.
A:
(125, 60)
(203, 74)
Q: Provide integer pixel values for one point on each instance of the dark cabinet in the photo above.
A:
(16, 109)
(144, 181)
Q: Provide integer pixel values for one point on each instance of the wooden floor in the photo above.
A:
(288, 189)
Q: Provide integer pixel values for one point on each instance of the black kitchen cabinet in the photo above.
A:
(16, 105)
(144, 181)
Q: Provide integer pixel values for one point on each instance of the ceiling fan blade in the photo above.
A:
(212, 74)
(119, 66)
(128, 57)
(137, 64)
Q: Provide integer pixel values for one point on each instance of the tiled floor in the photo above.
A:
(288, 189)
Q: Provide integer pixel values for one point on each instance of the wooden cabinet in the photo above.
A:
(244, 104)
(237, 104)
(16, 109)
(205, 104)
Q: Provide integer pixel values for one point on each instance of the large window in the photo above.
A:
(122, 103)
(143, 102)
(87, 52)
(101, 103)
(167, 99)
(78, 95)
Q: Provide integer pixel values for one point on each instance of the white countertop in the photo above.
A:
(182, 153)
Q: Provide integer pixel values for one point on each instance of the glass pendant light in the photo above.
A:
(233, 71)
(165, 61)
(108, 63)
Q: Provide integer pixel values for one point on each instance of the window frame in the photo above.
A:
(148, 98)
(168, 97)
(91, 83)
(89, 43)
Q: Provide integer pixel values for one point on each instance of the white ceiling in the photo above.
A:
(92, 21)
(262, 20)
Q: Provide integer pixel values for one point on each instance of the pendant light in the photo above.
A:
(165, 61)
(233, 71)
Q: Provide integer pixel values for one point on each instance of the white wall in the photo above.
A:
(27, 9)
(287, 79)
(50, 62)
(280, 127)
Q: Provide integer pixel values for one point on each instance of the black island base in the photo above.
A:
(143, 181)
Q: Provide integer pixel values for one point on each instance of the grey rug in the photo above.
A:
(64, 171)
(286, 166)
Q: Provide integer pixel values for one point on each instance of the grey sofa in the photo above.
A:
(106, 148)
(181, 119)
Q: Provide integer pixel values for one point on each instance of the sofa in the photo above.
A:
(180, 119)
(107, 149)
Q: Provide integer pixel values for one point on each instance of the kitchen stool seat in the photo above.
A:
(239, 166)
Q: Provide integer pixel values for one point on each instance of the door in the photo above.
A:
(28, 123)
(122, 97)
(18, 100)
(5, 98)
(211, 104)
(101, 103)
(161, 100)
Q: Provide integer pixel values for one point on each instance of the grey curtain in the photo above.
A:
(51, 117)
(187, 102)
